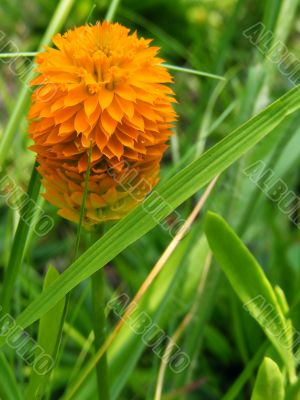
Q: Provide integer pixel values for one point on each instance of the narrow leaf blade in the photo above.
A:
(48, 337)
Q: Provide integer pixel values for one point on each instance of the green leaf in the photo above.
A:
(8, 386)
(269, 384)
(251, 285)
(162, 201)
(48, 340)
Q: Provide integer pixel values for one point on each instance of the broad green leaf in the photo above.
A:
(162, 201)
(48, 340)
(251, 285)
(269, 384)
(8, 386)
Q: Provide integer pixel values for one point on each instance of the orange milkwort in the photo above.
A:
(101, 89)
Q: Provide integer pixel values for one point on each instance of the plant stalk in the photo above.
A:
(98, 317)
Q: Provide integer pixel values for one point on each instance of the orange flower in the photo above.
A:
(102, 88)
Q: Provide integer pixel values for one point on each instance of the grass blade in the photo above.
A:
(48, 339)
(21, 54)
(8, 386)
(18, 248)
(194, 72)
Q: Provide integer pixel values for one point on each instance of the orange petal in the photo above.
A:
(90, 104)
(75, 96)
(97, 201)
(125, 139)
(83, 163)
(109, 124)
(67, 126)
(115, 146)
(126, 92)
(108, 152)
(80, 122)
(58, 104)
(101, 139)
(126, 106)
(105, 98)
(65, 114)
(70, 149)
(69, 214)
(146, 111)
(115, 111)
(138, 121)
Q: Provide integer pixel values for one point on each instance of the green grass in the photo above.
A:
(235, 109)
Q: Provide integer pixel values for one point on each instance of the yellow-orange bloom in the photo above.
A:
(101, 88)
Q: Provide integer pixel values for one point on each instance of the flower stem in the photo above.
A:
(82, 208)
(98, 317)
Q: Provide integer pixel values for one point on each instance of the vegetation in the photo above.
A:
(201, 278)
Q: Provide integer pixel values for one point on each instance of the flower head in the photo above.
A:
(100, 88)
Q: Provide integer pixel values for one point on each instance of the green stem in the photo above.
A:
(21, 54)
(82, 208)
(98, 304)
(193, 71)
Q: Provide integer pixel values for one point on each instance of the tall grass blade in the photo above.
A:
(48, 339)
(9, 389)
